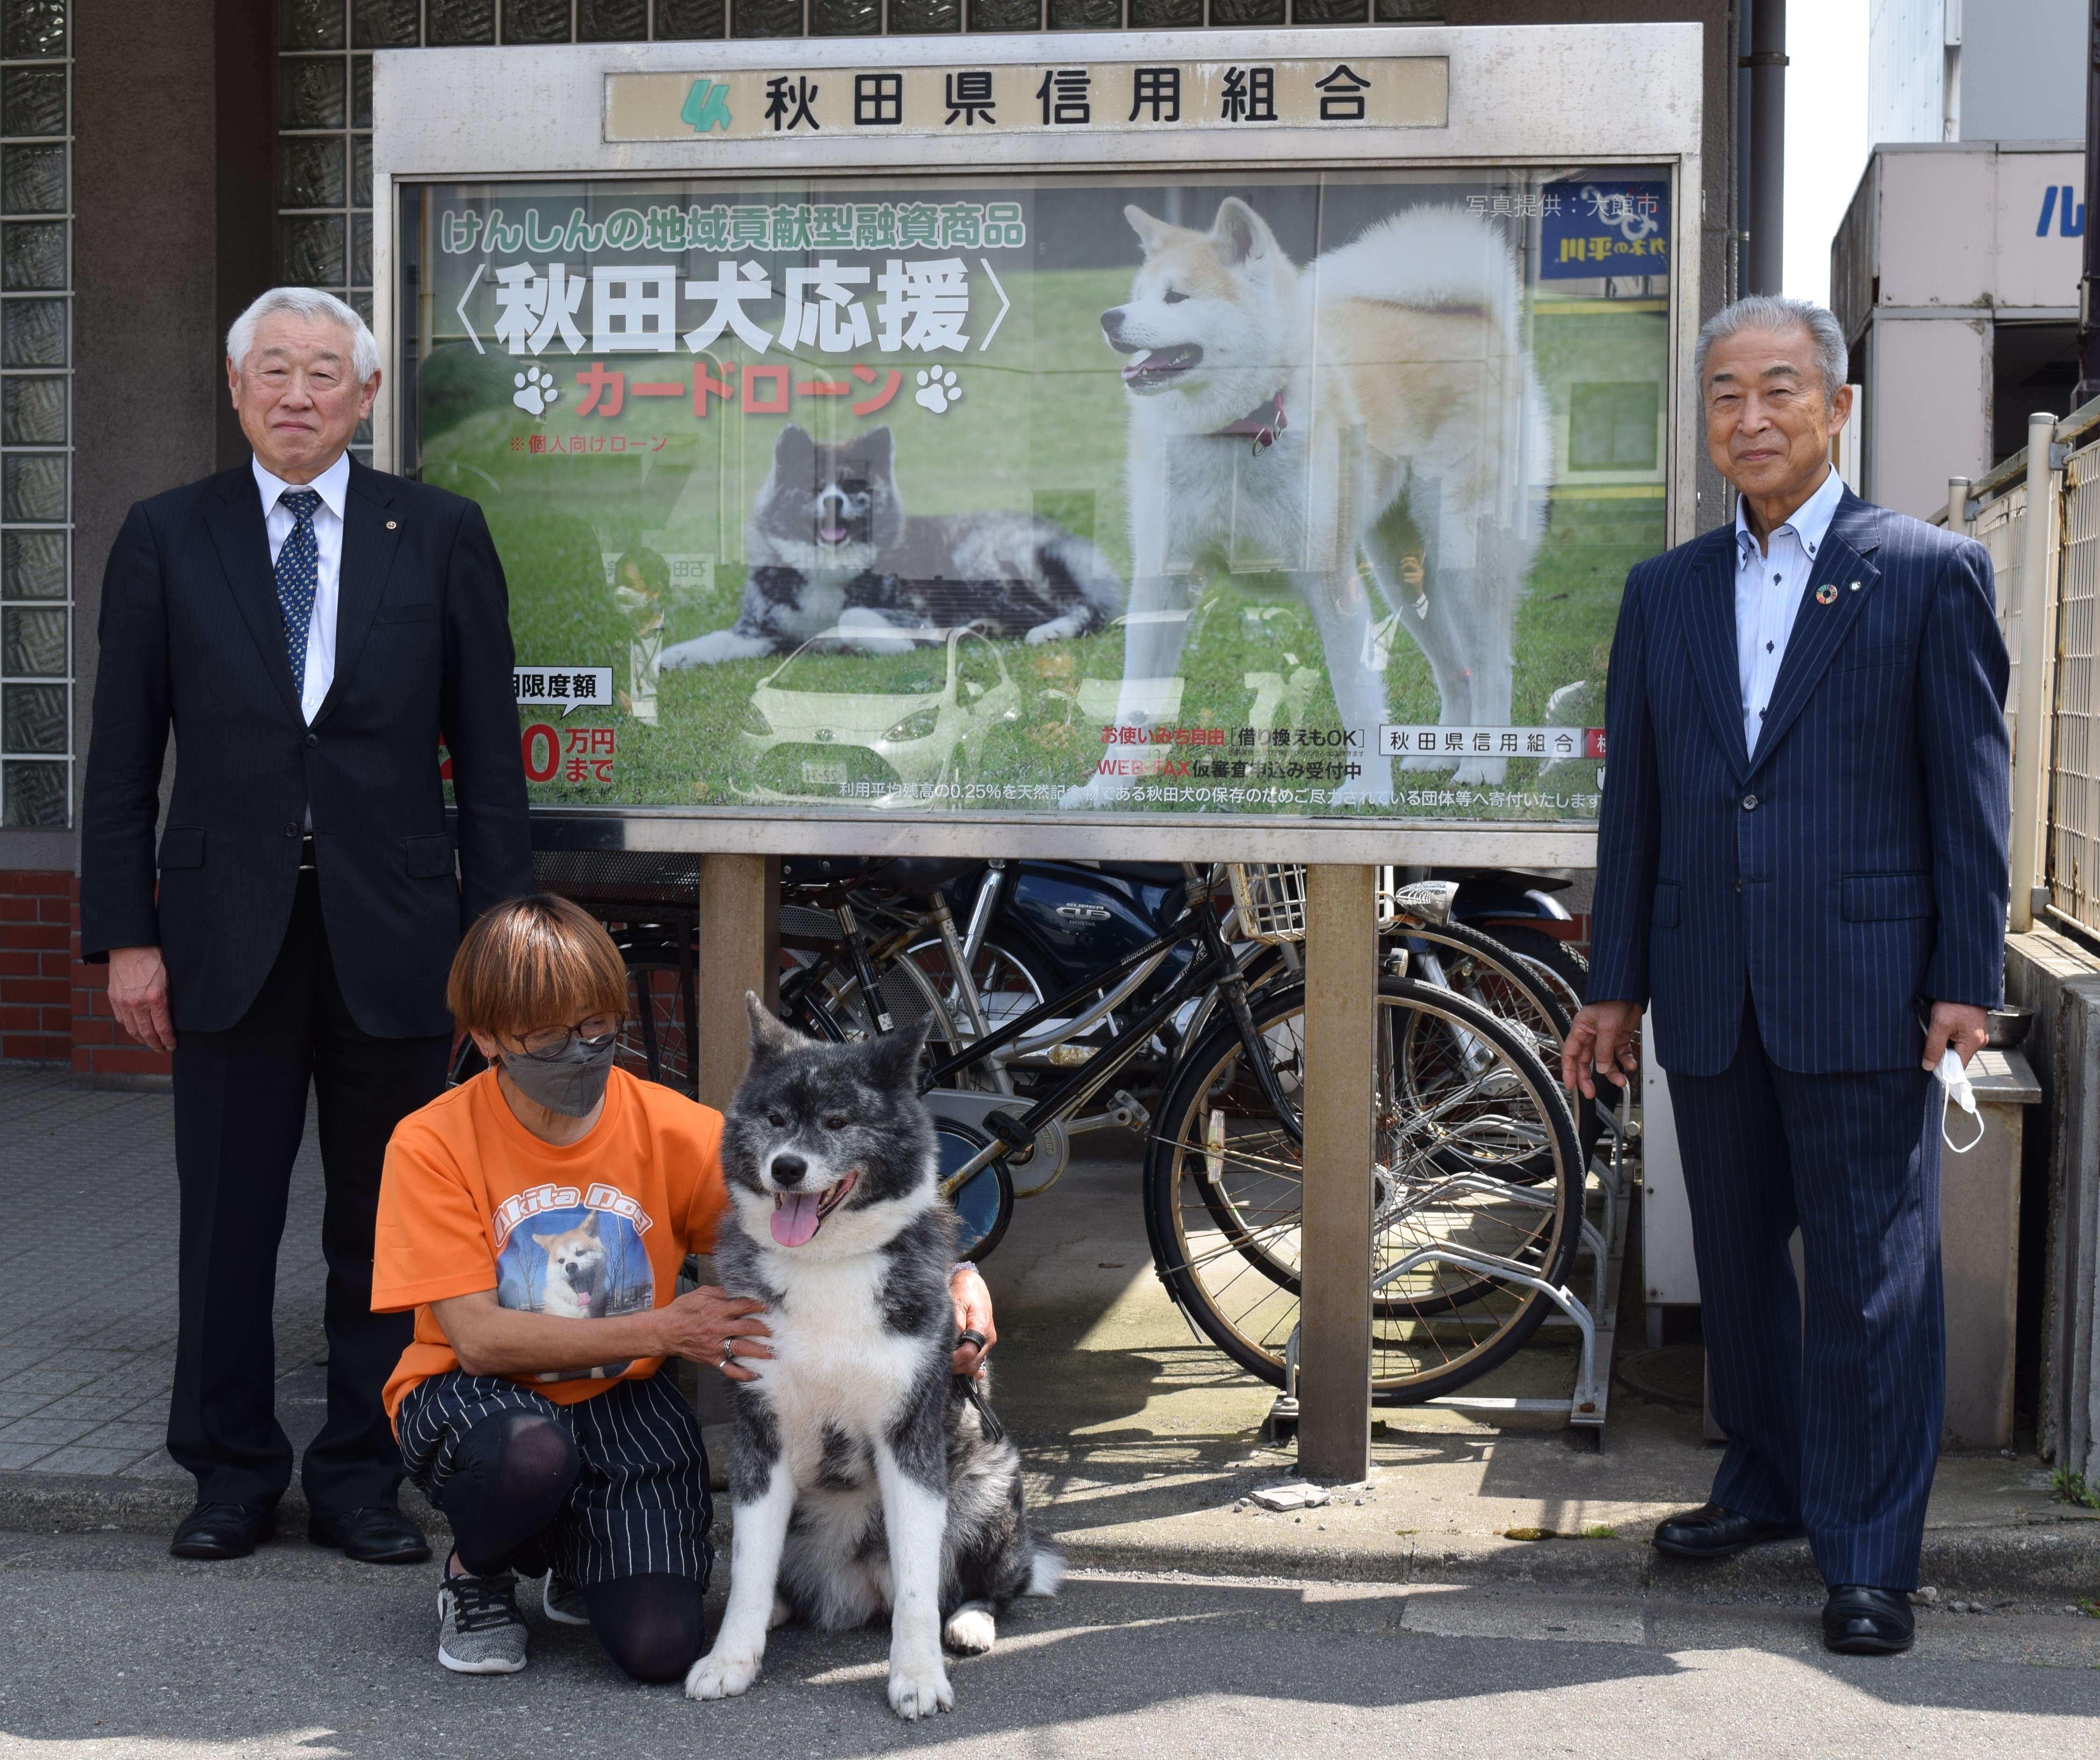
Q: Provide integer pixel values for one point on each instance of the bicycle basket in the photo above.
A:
(1269, 897)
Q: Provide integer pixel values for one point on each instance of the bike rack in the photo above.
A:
(1596, 1323)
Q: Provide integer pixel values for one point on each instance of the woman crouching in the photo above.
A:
(535, 1218)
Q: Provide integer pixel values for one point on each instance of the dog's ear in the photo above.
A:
(545, 1242)
(795, 454)
(873, 451)
(892, 1058)
(1243, 236)
(1151, 233)
(770, 1037)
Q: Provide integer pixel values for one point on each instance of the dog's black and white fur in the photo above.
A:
(861, 1475)
(829, 545)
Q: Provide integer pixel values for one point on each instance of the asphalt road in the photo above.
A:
(108, 1646)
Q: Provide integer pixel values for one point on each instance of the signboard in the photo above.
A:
(1281, 493)
(955, 102)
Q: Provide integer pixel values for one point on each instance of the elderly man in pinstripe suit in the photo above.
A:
(1802, 865)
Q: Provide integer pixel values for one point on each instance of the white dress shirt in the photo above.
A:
(332, 485)
(1769, 584)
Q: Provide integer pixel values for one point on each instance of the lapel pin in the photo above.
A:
(1827, 595)
(1854, 588)
(390, 526)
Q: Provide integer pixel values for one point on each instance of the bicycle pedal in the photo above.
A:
(1009, 1129)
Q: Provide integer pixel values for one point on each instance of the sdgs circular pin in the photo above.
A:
(1826, 595)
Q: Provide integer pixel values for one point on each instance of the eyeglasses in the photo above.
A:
(549, 1043)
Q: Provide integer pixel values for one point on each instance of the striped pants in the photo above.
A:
(1833, 1415)
(639, 1504)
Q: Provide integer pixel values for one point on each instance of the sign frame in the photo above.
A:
(1517, 96)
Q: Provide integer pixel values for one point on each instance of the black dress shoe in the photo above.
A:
(1710, 1532)
(1860, 1621)
(376, 1534)
(223, 1530)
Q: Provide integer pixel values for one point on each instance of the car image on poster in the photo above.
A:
(1296, 494)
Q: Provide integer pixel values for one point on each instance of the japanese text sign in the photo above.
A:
(1382, 91)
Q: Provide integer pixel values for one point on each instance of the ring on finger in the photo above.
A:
(729, 1353)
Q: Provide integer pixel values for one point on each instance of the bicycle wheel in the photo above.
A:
(1223, 1191)
(1556, 964)
(1007, 990)
(1482, 970)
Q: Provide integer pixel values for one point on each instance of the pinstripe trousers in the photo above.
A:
(1832, 1406)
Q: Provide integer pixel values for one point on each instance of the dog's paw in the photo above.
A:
(1479, 773)
(919, 1690)
(971, 1630)
(716, 1676)
(709, 650)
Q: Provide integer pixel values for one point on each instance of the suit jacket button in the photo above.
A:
(313, 739)
(291, 830)
(1749, 803)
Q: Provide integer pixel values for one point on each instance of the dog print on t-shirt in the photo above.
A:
(576, 1255)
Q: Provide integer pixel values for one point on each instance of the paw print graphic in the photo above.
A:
(535, 390)
(936, 390)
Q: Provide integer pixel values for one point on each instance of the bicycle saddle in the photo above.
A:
(921, 874)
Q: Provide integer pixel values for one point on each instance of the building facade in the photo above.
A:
(161, 164)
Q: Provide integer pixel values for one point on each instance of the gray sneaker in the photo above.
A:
(480, 1630)
(564, 1601)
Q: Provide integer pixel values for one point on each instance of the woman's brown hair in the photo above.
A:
(533, 962)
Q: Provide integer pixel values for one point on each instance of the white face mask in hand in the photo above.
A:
(1954, 1086)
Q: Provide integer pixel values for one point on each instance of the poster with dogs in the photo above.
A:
(1301, 495)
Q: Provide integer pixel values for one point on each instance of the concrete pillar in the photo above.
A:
(1341, 1002)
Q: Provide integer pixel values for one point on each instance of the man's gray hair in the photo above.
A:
(1770, 311)
(306, 302)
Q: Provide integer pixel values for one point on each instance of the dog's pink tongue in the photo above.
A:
(795, 1218)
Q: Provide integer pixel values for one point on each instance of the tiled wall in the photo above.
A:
(36, 356)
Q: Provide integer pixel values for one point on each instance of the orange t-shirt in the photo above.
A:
(471, 1200)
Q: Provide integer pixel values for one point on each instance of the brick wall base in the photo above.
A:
(54, 1008)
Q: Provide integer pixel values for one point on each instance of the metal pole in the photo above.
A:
(2030, 721)
(2089, 345)
(1335, 1250)
(1767, 64)
(1958, 506)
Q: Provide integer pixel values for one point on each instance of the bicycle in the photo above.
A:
(1480, 1185)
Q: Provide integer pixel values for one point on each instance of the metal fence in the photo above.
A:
(2064, 814)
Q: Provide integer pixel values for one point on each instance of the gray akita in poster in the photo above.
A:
(1332, 427)
(830, 545)
(864, 1476)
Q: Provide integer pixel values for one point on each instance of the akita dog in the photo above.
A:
(1288, 424)
(864, 1476)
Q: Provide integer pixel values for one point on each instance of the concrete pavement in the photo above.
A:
(110, 1648)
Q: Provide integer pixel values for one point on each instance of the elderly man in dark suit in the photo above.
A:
(309, 630)
(1802, 862)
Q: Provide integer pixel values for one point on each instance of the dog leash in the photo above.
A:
(966, 1388)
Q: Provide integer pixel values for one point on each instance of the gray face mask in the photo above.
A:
(571, 1084)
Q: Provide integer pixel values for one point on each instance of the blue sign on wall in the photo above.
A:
(1600, 226)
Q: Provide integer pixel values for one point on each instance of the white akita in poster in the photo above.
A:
(1373, 417)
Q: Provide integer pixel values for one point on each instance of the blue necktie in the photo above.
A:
(298, 575)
